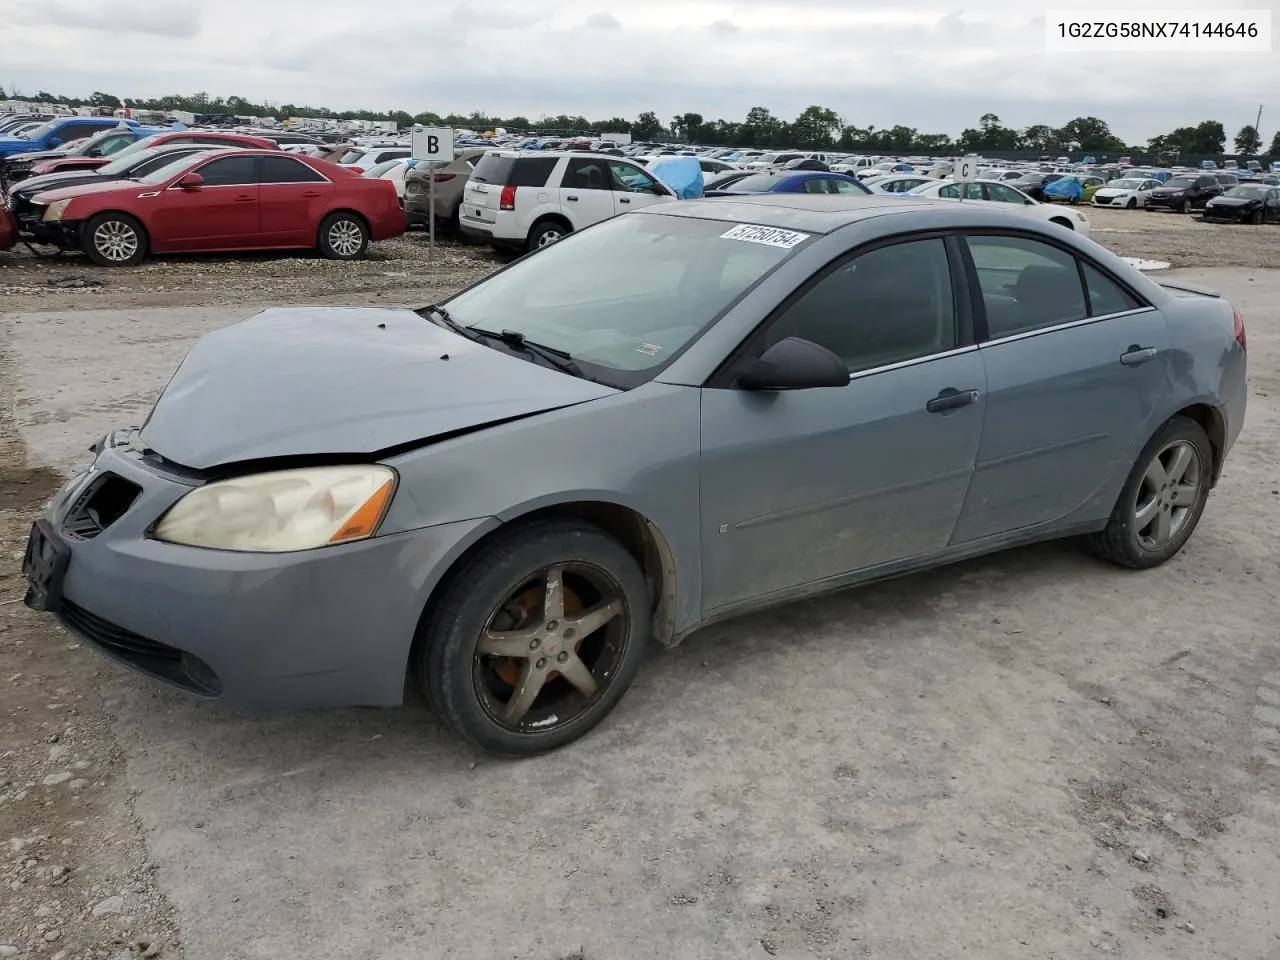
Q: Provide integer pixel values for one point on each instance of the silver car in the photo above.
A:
(674, 417)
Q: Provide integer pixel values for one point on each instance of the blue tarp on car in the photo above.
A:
(1068, 188)
(681, 174)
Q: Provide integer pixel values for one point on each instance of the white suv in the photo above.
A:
(531, 199)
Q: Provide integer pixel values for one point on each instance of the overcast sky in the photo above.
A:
(875, 62)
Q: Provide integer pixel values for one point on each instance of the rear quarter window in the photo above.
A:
(514, 171)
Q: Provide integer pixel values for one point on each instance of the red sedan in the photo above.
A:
(64, 164)
(225, 200)
(8, 230)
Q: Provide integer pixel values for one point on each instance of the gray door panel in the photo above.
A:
(1064, 415)
(805, 485)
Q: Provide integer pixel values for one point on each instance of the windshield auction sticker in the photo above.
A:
(771, 236)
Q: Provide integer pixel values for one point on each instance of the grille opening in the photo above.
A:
(101, 504)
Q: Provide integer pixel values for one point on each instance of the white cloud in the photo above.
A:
(920, 63)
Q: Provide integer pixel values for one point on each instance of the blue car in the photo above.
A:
(58, 132)
(792, 181)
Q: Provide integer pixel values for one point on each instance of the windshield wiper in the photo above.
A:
(448, 322)
(560, 359)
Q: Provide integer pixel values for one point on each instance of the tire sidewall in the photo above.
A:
(1180, 428)
(447, 650)
(328, 224)
(91, 249)
(543, 228)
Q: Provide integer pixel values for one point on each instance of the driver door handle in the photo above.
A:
(951, 399)
(574, 199)
(1136, 355)
(245, 198)
(624, 199)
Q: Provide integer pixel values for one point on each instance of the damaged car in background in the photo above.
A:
(658, 422)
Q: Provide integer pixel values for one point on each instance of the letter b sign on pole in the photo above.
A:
(431, 144)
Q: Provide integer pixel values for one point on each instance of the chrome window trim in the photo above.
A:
(914, 361)
(1085, 321)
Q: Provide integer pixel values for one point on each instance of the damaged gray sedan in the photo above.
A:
(671, 418)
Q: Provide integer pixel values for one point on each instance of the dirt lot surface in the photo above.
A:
(1028, 755)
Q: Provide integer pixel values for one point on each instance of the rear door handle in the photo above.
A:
(245, 199)
(624, 199)
(574, 199)
(312, 193)
(1136, 355)
(951, 399)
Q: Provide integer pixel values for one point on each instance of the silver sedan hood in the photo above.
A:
(319, 381)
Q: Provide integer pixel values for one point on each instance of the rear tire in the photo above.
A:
(1185, 206)
(545, 234)
(1163, 499)
(343, 236)
(115, 240)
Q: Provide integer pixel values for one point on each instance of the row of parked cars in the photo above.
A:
(117, 192)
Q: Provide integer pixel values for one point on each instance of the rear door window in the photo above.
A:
(587, 174)
(286, 170)
(1026, 285)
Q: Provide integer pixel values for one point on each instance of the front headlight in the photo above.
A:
(283, 511)
(55, 210)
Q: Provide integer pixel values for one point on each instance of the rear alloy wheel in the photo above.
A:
(546, 234)
(1162, 500)
(1185, 207)
(343, 236)
(536, 640)
(115, 240)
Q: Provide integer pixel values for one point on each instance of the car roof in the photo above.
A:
(812, 213)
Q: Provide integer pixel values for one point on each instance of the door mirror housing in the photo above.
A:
(793, 364)
(55, 141)
(191, 181)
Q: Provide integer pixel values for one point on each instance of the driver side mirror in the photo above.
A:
(192, 181)
(793, 364)
(55, 141)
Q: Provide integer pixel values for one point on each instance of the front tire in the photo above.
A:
(1257, 217)
(536, 640)
(1185, 207)
(115, 240)
(1132, 204)
(1162, 500)
(343, 236)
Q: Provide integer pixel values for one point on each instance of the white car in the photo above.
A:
(897, 182)
(854, 165)
(991, 191)
(393, 170)
(709, 167)
(529, 200)
(1128, 192)
(359, 161)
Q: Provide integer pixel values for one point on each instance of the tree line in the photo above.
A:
(815, 128)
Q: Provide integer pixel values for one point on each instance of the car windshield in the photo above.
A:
(1179, 183)
(138, 145)
(40, 132)
(171, 170)
(1125, 184)
(379, 169)
(758, 182)
(1248, 191)
(123, 164)
(625, 296)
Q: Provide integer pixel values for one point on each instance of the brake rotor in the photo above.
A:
(523, 609)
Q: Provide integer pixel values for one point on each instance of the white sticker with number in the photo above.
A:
(771, 236)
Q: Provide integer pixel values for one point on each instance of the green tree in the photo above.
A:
(686, 125)
(1247, 140)
(100, 99)
(1274, 152)
(934, 143)
(1090, 135)
(646, 127)
(1208, 136)
(816, 127)
(761, 128)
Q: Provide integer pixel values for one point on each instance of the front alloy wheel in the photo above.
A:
(114, 240)
(537, 639)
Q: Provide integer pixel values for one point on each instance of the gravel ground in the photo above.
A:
(1028, 755)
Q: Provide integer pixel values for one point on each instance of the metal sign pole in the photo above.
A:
(431, 215)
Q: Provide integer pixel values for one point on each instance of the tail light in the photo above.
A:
(1240, 338)
(443, 177)
(356, 170)
(508, 199)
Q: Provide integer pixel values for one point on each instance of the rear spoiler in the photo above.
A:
(1191, 288)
